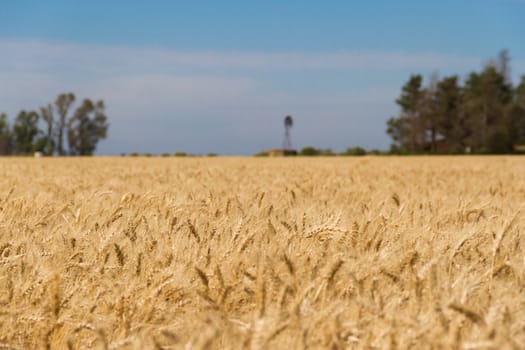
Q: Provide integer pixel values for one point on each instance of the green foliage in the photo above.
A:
(4, 125)
(25, 132)
(327, 152)
(411, 94)
(485, 115)
(180, 154)
(62, 104)
(397, 131)
(212, 155)
(451, 123)
(407, 131)
(48, 142)
(262, 154)
(5, 135)
(40, 144)
(309, 151)
(499, 141)
(354, 151)
(516, 115)
(43, 132)
(134, 154)
(87, 126)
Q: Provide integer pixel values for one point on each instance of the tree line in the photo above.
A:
(485, 114)
(48, 129)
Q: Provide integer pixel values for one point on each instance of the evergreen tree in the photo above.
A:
(486, 114)
(428, 107)
(516, 115)
(486, 95)
(408, 130)
(5, 136)
(451, 124)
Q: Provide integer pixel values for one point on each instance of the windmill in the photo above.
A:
(287, 143)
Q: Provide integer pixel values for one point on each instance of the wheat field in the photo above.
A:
(248, 253)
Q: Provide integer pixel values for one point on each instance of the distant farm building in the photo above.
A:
(277, 152)
(287, 149)
(519, 148)
(442, 146)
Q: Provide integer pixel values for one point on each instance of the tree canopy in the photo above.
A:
(485, 114)
(44, 130)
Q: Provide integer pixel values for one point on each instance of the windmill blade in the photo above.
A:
(288, 121)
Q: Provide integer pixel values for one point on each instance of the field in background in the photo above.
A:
(230, 253)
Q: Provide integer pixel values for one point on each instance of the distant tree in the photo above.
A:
(87, 127)
(309, 151)
(398, 131)
(516, 115)
(486, 95)
(485, 115)
(427, 108)
(499, 141)
(262, 154)
(5, 136)
(502, 65)
(25, 132)
(408, 129)
(520, 92)
(328, 152)
(84, 128)
(46, 113)
(63, 104)
(354, 151)
(451, 124)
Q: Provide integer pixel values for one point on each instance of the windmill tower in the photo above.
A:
(287, 143)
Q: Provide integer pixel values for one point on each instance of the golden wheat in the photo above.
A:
(231, 253)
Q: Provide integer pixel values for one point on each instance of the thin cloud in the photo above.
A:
(37, 55)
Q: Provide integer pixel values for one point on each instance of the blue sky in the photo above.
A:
(219, 76)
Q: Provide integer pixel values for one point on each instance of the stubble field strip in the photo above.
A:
(231, 253)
